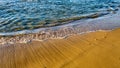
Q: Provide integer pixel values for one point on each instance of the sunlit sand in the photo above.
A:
(93, 50)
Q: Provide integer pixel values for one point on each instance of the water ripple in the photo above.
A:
(17, 15)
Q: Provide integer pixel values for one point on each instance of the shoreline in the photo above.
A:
(107, 22)
(67, 22)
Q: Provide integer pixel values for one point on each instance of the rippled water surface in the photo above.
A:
(17, 15)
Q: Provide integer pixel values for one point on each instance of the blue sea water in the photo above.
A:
(18, 15)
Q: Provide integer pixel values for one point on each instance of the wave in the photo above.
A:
(23, 22)
(107, 22)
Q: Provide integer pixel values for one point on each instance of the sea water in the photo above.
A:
(19, 15)
(23, 21)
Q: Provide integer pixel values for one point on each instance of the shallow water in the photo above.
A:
(18, 15)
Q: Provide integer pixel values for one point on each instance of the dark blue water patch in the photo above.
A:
(17, 15)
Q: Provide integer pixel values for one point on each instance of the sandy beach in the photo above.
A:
(59, 34)
(91, 50)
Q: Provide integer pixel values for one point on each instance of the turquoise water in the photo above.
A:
(18, 15)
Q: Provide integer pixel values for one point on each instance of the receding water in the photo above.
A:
(17, 15)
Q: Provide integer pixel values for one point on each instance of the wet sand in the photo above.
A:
(99, 49)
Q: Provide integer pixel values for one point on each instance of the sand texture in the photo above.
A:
(99, 49)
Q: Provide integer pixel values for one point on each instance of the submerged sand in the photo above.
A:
(99, 49)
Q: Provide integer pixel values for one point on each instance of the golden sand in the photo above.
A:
(99, 49)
